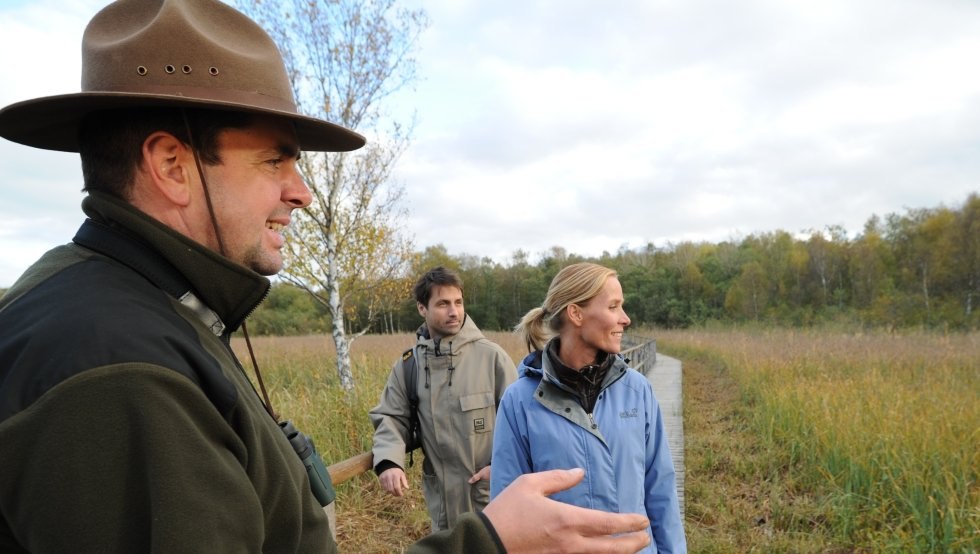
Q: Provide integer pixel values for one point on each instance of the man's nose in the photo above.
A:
(295, 192)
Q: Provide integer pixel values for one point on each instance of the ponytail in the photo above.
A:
(532, 329)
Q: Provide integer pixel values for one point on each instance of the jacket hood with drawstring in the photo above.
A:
(426, 346)
(461, 379)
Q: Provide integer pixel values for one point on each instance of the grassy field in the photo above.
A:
(830, 442)
(796, 441)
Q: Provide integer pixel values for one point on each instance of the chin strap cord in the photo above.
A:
(258, 374)
(221, 250)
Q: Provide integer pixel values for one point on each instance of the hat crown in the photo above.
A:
(195, 48)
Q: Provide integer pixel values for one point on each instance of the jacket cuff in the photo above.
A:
(492, 532)
(385, 465)
(472, 532)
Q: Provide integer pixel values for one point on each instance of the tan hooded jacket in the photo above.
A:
(460, 382)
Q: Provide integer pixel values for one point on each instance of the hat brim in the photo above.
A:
(52, 122)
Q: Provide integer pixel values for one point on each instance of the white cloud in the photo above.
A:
(547, 122)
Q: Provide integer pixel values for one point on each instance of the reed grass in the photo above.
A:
(883, 426)
(836, 442)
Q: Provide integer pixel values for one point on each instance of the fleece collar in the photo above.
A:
(165, 256)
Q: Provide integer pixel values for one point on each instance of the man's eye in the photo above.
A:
(275, 163)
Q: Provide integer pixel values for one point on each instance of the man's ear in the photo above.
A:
(168, 165)
(421, 308)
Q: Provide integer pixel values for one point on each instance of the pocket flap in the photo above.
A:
(475, 401)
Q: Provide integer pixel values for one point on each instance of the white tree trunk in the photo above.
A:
(340, 342)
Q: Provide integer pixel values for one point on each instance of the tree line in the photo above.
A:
(920, 268)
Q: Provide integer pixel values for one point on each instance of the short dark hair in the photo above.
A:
(111, 141)
(435, 277)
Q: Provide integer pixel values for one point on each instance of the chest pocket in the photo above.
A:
(479, 410)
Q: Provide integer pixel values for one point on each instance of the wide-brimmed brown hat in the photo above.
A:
(190, 53)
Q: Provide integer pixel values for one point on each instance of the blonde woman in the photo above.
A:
(577, 404)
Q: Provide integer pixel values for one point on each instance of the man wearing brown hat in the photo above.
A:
(126, 422)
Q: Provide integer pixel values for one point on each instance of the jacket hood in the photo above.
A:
(468, 333)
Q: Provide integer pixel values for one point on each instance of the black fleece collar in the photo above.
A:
(171, 260)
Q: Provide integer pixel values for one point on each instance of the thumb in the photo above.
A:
(555, 480)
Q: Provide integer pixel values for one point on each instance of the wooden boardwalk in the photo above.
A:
(665, 376)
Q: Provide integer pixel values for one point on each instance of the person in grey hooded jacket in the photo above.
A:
(461, 377)
(577, 404)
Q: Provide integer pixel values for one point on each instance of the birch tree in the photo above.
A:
(345, 59)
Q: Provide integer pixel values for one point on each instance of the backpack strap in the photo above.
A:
(410, 367)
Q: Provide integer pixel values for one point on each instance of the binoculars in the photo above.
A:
(320, 482)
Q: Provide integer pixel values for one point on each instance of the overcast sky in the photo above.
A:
(593, 125)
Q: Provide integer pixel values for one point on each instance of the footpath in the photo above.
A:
(665, 376)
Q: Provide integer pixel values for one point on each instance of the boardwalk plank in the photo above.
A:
(665, 377)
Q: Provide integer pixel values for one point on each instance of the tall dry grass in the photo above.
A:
(876, 432)
(884, 426)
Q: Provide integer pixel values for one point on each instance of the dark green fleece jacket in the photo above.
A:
(127, 423)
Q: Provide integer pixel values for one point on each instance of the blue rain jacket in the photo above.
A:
(622, 445)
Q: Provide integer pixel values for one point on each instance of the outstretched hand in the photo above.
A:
(560, 527)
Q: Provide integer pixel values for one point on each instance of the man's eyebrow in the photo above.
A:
(289, 150)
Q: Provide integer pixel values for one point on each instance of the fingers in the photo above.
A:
(579, 529)
(560, 527)
(391, 487)
(552, 481)
(396, 489)
(595, 523)
(482, 475)
(630, 543)
(394, 481)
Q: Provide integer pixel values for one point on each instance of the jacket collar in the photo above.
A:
(538, 365)
(468, 332)
(171, 260)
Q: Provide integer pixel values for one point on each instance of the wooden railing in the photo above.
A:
(641, 357)
(641, 353)
(350, 468)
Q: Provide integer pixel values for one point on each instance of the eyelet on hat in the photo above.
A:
(213, 70)
(186, 69)
(141, 70)
(169, 68)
